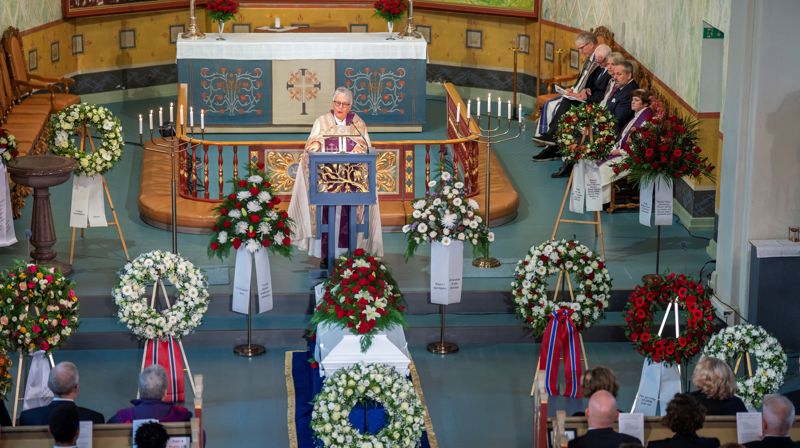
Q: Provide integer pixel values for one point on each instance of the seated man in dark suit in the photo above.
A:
(63, 381)
(777, 416)
(601, 415)
(64, 425)
(152, 388)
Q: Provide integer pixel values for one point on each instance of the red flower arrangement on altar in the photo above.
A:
(38, 308)
(8, 147)
(390, 10)
(222, 10)
(654, 296)
(360, 295)
(249, 217)
(665, 147)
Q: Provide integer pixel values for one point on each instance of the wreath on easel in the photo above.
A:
(678, 293)
(739, 341)
(75, 119)
(587, 131)
(566, 258)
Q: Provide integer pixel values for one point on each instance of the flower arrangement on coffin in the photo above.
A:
(770, 359)
(390, 10)
(38, 308)
(405, 413)
(8, 147)
(361, 295)
(664, 147)
(222, 10)
(5, 374)
(249, 217)
(652, 297)
(446, 215)
(586, 131)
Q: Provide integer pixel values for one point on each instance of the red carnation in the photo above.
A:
(242, 183)
(255, 218)
(645, 337)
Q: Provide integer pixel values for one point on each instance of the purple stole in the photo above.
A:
(332, 145)
(646, 114)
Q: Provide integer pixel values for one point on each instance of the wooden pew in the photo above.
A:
(103, 436)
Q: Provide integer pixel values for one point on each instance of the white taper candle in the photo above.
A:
(469, 109)
(191, 116)
(458, 112)
(141, 127)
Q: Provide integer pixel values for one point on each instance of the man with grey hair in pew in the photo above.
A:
(64, 383)
(601, 415)
(777, 417)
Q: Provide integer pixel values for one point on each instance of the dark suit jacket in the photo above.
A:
(728, 406)
(598, 83)
(679, 441)
(5, 419)
(770, 442)
(620, 104)
(794, 397)
(601, 438)
(40, 415)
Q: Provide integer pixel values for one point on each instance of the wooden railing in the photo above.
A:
(207, 165)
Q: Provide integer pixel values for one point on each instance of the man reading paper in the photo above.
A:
(339, 130)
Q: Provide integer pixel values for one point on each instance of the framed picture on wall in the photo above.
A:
(85, 8)
(524, 43)
(241, 27)
(55, 51)
(33, 60)
(549, 51)
(127, 39)
(77, 43)
(516, 8)
(175, 31)
(425, 30)
(574, 58)
(474, 39)
(359, 28)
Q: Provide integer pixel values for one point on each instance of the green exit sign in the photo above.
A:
(712, 33)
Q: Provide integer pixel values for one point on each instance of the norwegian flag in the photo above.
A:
(167, 354)
(561, 338)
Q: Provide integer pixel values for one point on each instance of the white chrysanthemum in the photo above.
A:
(416, 214)
(241, 227)
(449, 220)
(264, 227)
(264, 196)
(253, 207)
(235, 213)
(255, 179)
(253, 245)
(242, 195)
(406, 228)
(446, 240)
(419, 204)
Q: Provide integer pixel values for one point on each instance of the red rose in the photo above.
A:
(232, 197)
(695, 172)
(359, 252)
(682, 341)
(45, 345)
(255, 218)
(223, 211)
(36, 329)
(214, 245)
(645, 337)
(314, 364)
(287, 241)
(677, 153)
(242, 183)
(284, 215)
(251, 234)
(265, 242)
(276, 200)
(236, 243)
(279, 224)
(32, 269)
(226, 224)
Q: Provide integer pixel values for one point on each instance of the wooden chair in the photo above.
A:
(25, 83)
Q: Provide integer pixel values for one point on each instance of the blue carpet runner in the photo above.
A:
(303, 383)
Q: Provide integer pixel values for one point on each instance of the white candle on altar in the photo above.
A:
(499, 105)
(151, 119)
(171, 114)
(509, 109)
(202, 119)
(277, 22)
(181, 115)
(160, 117)
(489, 104)
(191, 116)
(141, 127)
(519, 113)
(458, 112)
(469, 109)
(479, 107)
(191, 8)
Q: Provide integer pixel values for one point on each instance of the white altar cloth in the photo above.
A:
(297, 46)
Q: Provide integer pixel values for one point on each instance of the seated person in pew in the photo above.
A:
(777, 417)
(685, 416)
(339, 121)
(716, 386)
(64, 383)
(152, 388)
(640, 104)
(64, 424)
(151, 435)
(601, 415)
(597, 378)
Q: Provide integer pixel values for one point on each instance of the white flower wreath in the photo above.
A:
(530, 284)
(67, 123)
(405, 415)
(770, 359)
(184, 314)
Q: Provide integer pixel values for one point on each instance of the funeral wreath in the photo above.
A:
(405, 415)
(529, 288)
(183, 315)
(249, 217)
(587, 131)
(653, 297)
(38, 308)
(360, 295)
(731, 343)
(68, 122)
(447, 215)
(8, 147)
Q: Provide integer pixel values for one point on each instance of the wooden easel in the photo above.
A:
(597, 222)
(747, 361)
(159, 285)
(20, 362)
(115, 221)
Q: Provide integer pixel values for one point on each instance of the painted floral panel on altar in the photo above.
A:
(231, 92)
(385, 92)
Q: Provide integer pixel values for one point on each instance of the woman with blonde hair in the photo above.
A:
(716, 387)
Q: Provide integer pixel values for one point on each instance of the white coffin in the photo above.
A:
(337, 347)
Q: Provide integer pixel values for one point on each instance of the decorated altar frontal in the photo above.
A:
(281, 82)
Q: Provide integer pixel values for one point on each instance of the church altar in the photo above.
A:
(283, 81)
